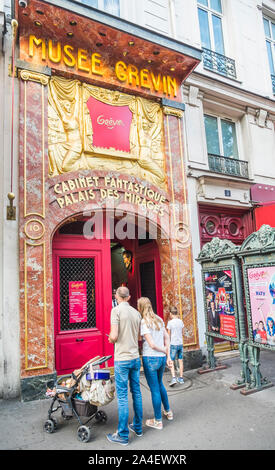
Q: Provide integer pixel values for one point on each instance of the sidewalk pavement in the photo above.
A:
(208, 415)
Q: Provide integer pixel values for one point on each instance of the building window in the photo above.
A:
(221, 137)
(269, 28)
(110, 6)
(211, 31)
(222, 147)
(210, 20)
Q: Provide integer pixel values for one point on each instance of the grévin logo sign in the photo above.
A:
(111, 125)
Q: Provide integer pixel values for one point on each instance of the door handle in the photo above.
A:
(79, 339)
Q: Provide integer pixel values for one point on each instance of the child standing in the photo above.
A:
(175, 329)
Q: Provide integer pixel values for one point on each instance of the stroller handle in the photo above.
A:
(101, 360)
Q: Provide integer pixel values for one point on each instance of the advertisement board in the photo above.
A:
(220, 304)
(261, 294)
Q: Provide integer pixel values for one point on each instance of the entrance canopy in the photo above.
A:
(102, 48)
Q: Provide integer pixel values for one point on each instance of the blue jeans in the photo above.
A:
(176, 351)
(153, 370)
(128, 371)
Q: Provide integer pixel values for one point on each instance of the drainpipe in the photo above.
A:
(172, 18)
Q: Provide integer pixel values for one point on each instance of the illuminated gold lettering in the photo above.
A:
(120, 70)
(68, 58)
(144, 78)
(133, 73)
(155, 81)
(164, 83)
(82, 56)
(172, 86)
(57, 56)
(38, 42)
(96, 64)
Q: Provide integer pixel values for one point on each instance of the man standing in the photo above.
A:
(125, 328)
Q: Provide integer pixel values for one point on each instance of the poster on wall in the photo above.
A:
(261, 283)
(220, 303)
(77, 301)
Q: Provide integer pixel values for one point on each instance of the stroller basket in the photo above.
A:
(66, 408)
(84, 408)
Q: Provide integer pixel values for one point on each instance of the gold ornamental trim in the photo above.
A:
(34, 225)
(169, 111)
(34, 76)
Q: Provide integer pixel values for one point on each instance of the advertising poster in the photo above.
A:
(261, 282)
(77, 301)
(220, 304)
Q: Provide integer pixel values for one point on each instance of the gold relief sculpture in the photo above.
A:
(71, 145)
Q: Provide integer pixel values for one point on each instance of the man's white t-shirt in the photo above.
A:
(175, 326)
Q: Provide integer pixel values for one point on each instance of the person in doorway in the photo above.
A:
(155, 353)
(124, 334)
(114, 300)
(175, 330)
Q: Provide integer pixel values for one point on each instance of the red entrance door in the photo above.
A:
(82, 300)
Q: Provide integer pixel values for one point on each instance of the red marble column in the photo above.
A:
(180, 281)
(35, 315)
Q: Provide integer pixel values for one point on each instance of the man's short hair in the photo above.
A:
(123, 292)
(174, 310)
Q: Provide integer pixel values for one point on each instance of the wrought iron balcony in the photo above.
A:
(218, 63)
(228, 165)
(273, 83)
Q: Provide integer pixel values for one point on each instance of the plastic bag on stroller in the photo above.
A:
(97, 392)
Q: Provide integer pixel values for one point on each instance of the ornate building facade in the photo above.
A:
(143, 132)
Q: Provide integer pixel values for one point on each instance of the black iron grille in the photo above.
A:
(147, 282)
(77, 269)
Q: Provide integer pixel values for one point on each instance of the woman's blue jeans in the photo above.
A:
(128, 371)
(153, 370)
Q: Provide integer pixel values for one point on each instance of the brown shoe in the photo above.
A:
(152, 423)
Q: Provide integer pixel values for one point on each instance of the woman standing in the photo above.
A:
(154, 355)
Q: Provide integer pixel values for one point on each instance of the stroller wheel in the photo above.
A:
(101, 416)
(83, 433)
(50, 425)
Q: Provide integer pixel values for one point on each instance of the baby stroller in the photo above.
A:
(67, 397)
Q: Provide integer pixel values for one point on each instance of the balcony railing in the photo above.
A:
(228, 166)
(273, 83)
(218, 63)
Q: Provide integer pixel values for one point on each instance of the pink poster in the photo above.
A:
(261, 283)
(77, 301)
(111, 125)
